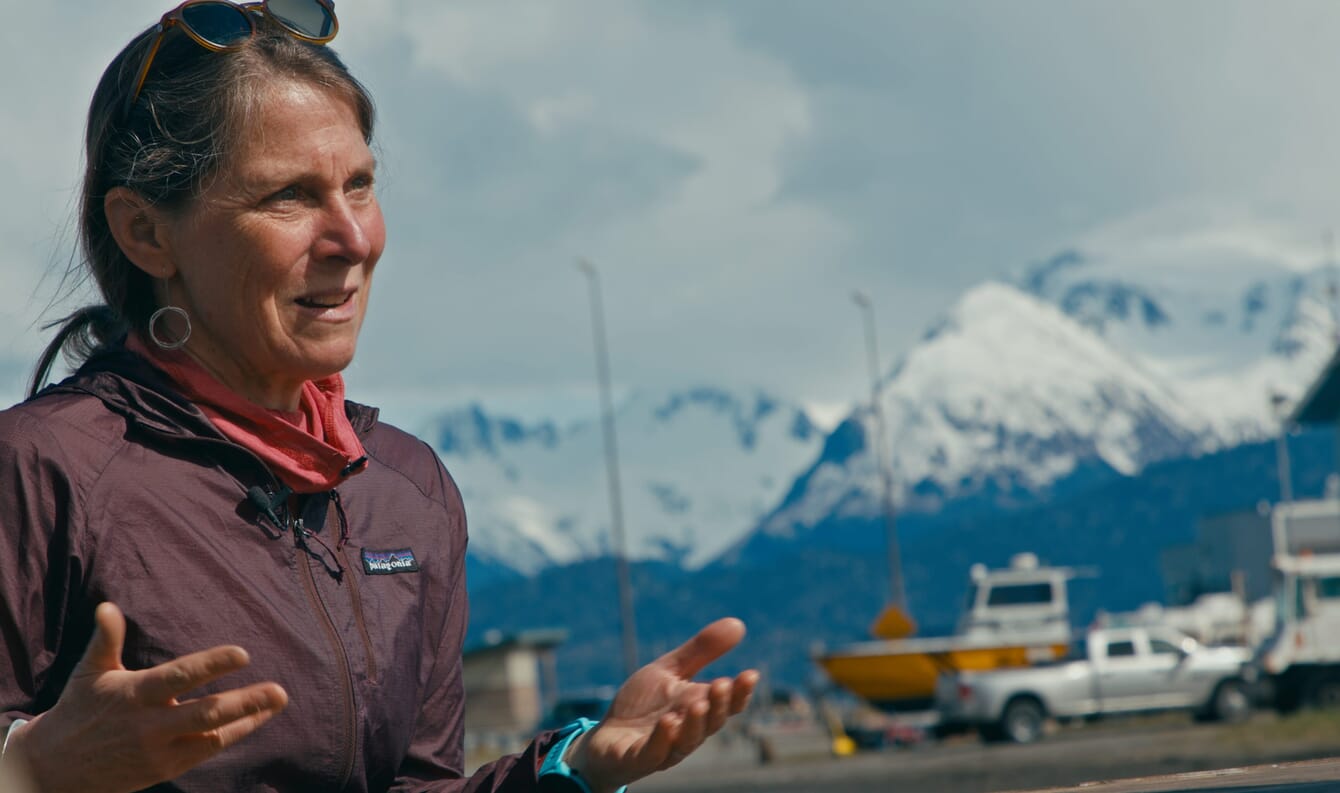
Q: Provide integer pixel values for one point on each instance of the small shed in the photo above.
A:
(510, 680)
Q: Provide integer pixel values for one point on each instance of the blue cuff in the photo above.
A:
(555, 766)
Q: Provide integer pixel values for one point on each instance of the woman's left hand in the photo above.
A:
(660, 715)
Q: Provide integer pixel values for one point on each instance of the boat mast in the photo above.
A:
(898, 592)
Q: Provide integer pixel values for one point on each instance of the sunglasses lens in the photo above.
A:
(218, 23)
(307, 18)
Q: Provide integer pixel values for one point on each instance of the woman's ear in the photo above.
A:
(137, 226)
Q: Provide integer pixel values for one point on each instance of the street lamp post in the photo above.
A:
(896, 586)
(628, 625)
(1280, 403)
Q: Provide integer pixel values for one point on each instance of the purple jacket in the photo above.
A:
(112, 487)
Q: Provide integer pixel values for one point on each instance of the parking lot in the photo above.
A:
(1121, 749)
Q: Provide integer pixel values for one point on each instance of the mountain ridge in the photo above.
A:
(537, 492)
(1138, 343)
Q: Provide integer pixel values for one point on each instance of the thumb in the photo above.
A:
(109, 636)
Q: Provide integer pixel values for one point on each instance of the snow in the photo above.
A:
(1156, 337)
(698, 470)
(1247, 310)
(1007, 387)
(1161, 336)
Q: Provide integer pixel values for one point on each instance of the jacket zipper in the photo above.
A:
(358, 618)
(341, 655)
(354, 595)
(303, 561)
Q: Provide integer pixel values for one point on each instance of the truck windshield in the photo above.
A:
(1163, 647)
(1328, 588)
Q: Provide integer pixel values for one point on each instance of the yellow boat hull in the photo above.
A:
(903, 678)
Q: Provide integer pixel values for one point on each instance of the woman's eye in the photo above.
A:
(290, 193)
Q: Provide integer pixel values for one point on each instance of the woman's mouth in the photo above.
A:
(326, 301)
(329, 306)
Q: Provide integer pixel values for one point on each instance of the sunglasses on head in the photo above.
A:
(220, 25)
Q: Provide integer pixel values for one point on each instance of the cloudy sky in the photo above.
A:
(734, 169)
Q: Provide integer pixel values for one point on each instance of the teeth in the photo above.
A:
(307, 301)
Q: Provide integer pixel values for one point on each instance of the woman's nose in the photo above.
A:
(347, 235)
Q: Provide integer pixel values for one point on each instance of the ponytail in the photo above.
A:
(81, 334)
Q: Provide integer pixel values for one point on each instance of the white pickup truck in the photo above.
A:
(1108, 671)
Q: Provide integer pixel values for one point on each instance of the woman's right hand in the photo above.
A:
(115, 730)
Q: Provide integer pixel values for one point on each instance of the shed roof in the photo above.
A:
(535, 639)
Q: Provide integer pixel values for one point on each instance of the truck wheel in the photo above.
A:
(1230, 703)
(1323, 691)
(1023, 720)
(1286, 693)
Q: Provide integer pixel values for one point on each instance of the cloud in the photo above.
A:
(734, 169)
(54, 57)
(651, 143)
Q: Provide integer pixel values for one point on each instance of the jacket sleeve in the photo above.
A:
(436, 758)
(38, 569)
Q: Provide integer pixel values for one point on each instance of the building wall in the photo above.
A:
(1239, 541)
(502, 691)
(1181, 573)
(1225, 543)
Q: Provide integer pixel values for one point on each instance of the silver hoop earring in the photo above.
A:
(153, 327)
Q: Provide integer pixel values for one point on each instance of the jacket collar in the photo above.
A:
(128, 385)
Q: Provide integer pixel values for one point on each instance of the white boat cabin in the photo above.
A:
(1023, 602)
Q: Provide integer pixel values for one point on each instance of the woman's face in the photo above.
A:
(274, 260)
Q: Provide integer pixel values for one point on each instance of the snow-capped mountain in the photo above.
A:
(1225, 315)
(1142, 343)
(1007, 392)
(699, 469)
(1146, 340)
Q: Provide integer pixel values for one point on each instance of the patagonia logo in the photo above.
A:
(400, 560)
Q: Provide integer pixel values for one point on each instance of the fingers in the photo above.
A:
(128, 730)
(685, 733)
(662, 740)
(165, 682)
(201, 728)
(694, 729)
(726, 697)
(709, 644)
(221, 711)
(719, 698)
(109, 636)
(197, 747)
(230, 734)
(742, 690)
(667, 741)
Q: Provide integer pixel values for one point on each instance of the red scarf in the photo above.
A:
(311, 449)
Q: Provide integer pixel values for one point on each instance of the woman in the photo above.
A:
(203, 472)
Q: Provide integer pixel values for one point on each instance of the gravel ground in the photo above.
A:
(1119, 749)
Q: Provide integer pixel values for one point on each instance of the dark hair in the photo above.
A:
(191, 114)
